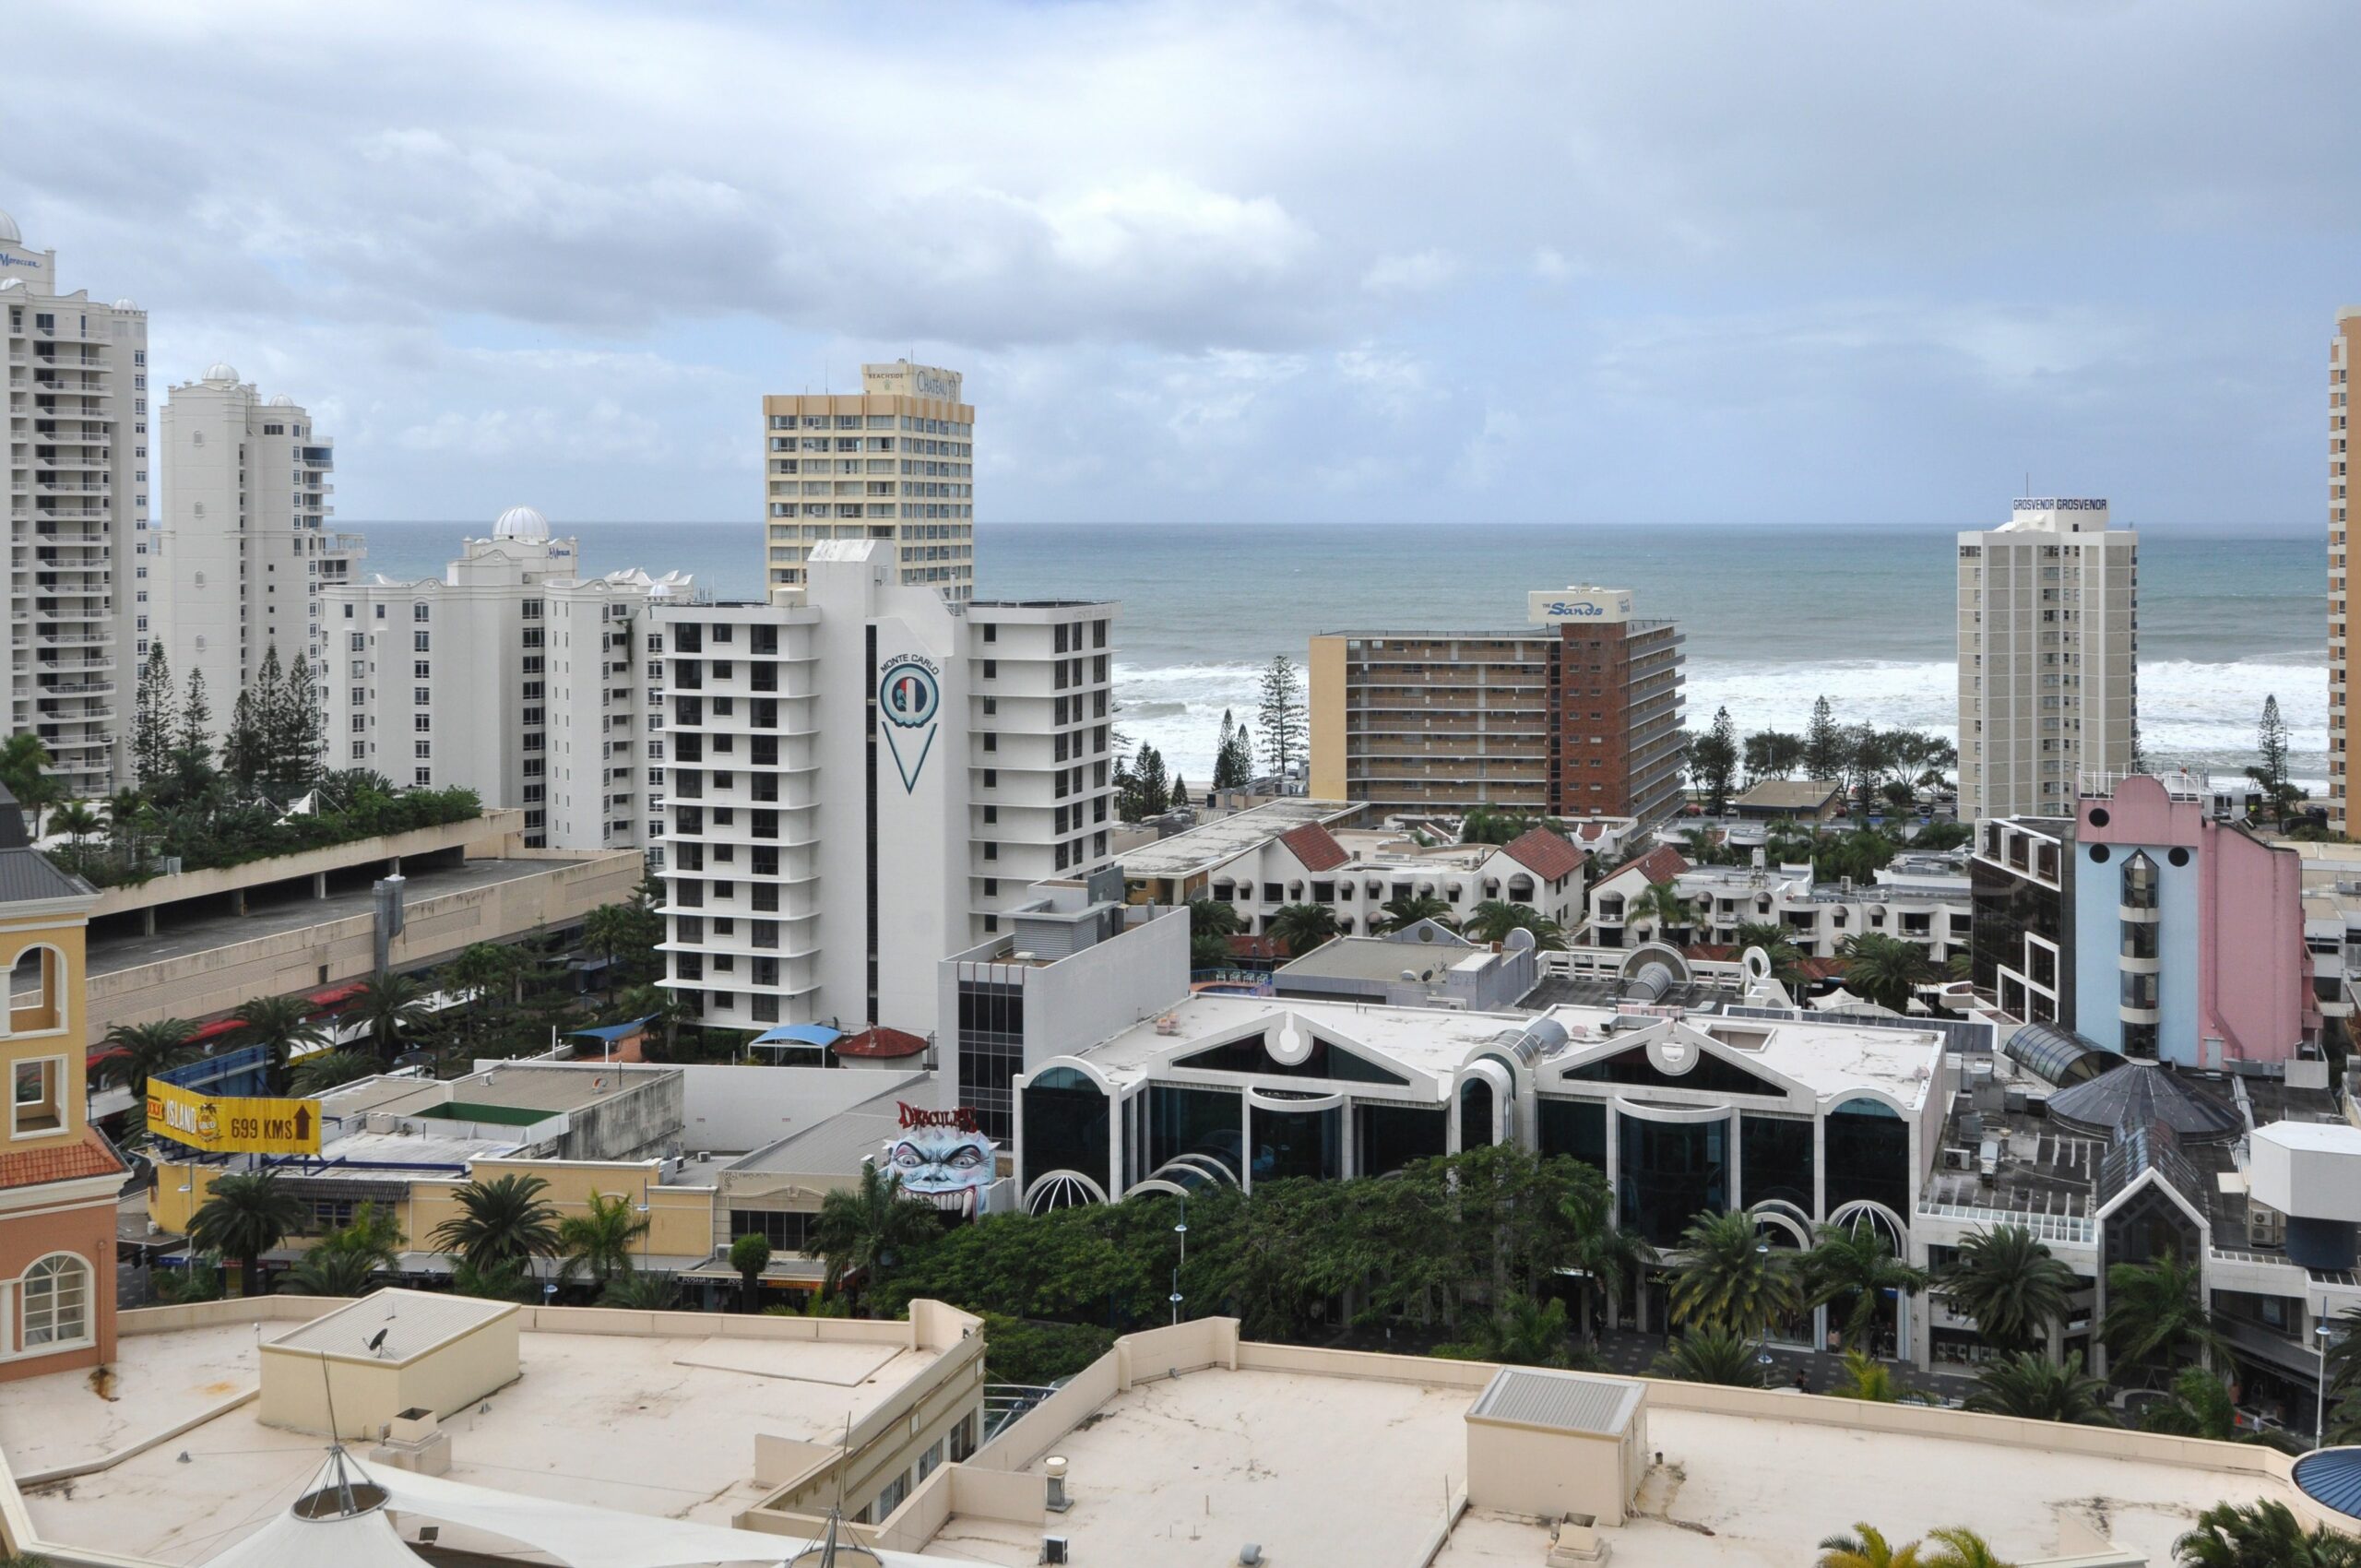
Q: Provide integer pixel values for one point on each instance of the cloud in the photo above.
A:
(1419, 273)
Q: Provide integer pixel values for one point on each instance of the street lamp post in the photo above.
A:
(1762, 1354)
(1181, 1230)
(2324, 1333)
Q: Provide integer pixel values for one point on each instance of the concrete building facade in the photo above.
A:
(2343, 355)
(512, 676)
(894, 462)
(865, 779)
(241, 550)
(76, 461)
(2048, 639)
(1577, 715)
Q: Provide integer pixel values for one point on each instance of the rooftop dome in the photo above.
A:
(2140, 1095)
(127, 304)
(9, 232)
(223, 370)
(11, 282)
(282, 401)
(521, 522)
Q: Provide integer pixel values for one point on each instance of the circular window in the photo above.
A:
(2179, 857)
(2098, 816)
(2098, 854)
(200, 640)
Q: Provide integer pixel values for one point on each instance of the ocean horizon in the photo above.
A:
(1773, 617)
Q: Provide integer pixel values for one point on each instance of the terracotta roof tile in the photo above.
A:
(1659, 864)
(71, 1163)
(879, 1043)
(1545, 854)
(1314, 847)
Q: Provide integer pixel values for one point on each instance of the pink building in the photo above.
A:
(2188, 931)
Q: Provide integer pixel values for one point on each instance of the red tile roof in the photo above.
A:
(1545, 854)
(1314, 847)
(71, 1163)
(880, 1043)
(1659, 864)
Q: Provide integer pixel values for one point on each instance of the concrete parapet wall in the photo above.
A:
(495, 833)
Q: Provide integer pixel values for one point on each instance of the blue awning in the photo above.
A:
(799, 1034)
(611, 1031)
(2332, 1477)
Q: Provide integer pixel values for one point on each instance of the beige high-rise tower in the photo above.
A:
(2048, 636)
(2343, 353)
(76, 461)
(893, 461)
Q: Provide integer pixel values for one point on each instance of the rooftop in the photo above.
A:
(1209, 844)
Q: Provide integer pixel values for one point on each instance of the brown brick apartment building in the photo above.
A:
(1576, 715)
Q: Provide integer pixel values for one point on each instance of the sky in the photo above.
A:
(1721, 262)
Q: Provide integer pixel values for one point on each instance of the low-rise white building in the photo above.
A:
(1921, 899)
(1359, 872)
(511, 675)
(859, 783)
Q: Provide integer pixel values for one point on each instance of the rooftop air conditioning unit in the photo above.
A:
(1055, 1549)
(1958, 1159)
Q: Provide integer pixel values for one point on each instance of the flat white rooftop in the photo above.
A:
(1226, 837)
(661, 1426)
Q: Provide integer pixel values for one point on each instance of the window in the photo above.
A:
(56, 1300)
(38, 1106)
(421, 642)
(418, 610)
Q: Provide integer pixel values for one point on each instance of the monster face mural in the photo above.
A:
(942, 1157)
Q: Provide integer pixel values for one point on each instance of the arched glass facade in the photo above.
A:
(1475, 1113)
(1297, 1143)
(1868, 1156)
(1182, 1120)
(1669, 1172)
(1575, 1128)
(1390, 1136)
(1775, 1160)
(1066, 1127)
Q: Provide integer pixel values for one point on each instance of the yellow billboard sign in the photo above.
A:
(232, 1123)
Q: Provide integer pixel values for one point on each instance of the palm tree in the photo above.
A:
(606, 931)
(1712, 1355)
(505, 1220)
(280, 1024)
(1868, 1548)
(388, 1006)
(1213, 917)
(23, 760)
(1778, 945)
(1602, 1255)
(321, 1273)
(1873, 1383)
(655, 1291)
(750, 1254)
(325, 1069)
(1956, 1546)
(2156, 1317)
(1855, 1263)
(485, 970)
(1526, 1332)
(243, 1217)
(863, 1231)
(1885, 968)
(1733, 1282)
(1492, 920)
(503, 1281)
(1661, 905)
(1302, 927)
(1402, 913)
(599, 1241)
(2036, 1388)
(142, 1050)
(2007, 1280)
(2263, 1534)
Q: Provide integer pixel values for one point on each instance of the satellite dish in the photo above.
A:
(377, 1341)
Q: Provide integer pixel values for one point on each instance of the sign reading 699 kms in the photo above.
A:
(232, 1123)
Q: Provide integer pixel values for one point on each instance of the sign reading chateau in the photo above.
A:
(232, 1123)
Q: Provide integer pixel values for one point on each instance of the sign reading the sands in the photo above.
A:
(1552, 605)
(232, 1125)
(909, 699)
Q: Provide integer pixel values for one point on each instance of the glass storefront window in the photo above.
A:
(1297, 1143)
(1868, 1156)
(1066, 1127)
(1193, 1120)
(1394, 1135)
(1475, 1113)
(1575, 1128)
(1668, 1173)
(1775, 1160)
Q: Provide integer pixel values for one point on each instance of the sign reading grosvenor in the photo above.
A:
(232, 1123)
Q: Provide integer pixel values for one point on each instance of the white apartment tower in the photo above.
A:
(241, 550)
(511, 675)
(864, 779)
(894, 462)
(77, 460)
(2048, 639)
(2344, 356)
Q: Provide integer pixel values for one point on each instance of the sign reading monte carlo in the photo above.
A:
(232, 1123)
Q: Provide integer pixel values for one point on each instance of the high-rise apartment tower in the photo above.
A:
(241, 549)
(76, 461)
(894, 462)
(2343, 354)
(2048, 636)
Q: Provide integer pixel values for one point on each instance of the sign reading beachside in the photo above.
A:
(1581, 604)
(230, 1124)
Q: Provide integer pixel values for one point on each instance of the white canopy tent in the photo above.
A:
(340, 1519)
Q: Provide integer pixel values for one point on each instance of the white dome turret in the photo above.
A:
(223, 372)
(126, 304)
(6, 283)
(282, 401)
(521, 522)
(9, 232)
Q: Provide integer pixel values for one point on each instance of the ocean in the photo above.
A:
(1774, 617)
